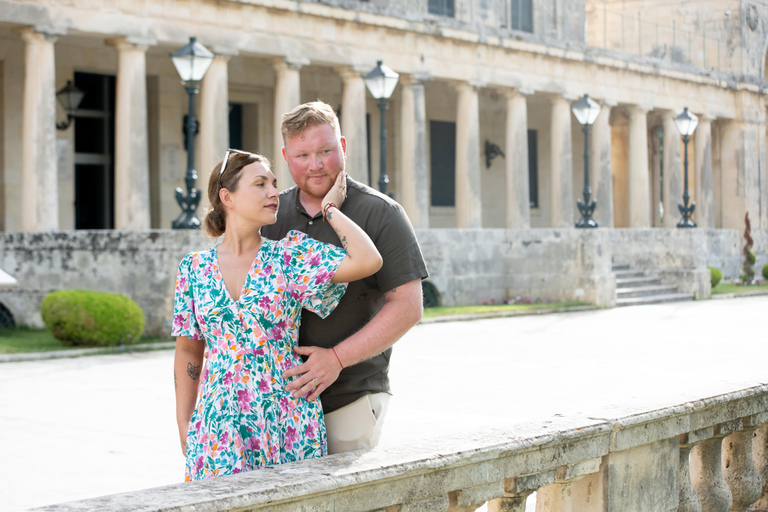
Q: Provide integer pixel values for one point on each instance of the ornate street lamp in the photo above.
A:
(191, 62)
(381, 83)
(586, 111)
(686, 124)
(70, 98)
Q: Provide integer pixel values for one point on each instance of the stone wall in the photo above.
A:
(141, 265)
(467, 266)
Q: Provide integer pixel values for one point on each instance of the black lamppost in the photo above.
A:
(586, 111)
(686, 124)
(381, 83)
(70, 98)
(191, 62)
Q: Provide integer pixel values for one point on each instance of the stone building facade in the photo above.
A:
(473, 74)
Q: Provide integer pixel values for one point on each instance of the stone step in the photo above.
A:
(654, 299)
(619, 266)
(641, 291)
(631, 282)
(623, 274)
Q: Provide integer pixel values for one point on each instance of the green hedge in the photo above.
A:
(715, 276)
(82, 317)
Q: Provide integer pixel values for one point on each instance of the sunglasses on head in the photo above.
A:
(226, 159)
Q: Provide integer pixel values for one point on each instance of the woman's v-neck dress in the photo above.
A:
(244, 418)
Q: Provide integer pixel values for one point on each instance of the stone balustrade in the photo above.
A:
(634, 463)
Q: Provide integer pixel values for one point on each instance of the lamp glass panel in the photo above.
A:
(183, 65)
(594, 111)
(200, 67)
(390, 82)
(376, 86)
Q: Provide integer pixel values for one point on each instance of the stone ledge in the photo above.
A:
(428, 471)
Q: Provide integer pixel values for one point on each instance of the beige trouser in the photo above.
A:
(358, 425)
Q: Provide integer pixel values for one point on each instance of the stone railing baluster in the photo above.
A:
(739, 469)
(472, 498)
(707, 470)
(760, 458)
(689, 500)
(574, 489)
(510, 503)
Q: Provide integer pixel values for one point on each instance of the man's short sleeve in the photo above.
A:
(396, 241)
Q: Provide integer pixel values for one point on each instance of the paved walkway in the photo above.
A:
(84, 427)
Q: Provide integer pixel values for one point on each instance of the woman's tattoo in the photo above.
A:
(193, 371)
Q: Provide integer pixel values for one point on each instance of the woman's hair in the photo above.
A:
(215, 221)
(307, 115)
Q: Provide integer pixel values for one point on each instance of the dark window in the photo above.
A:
(443, 163)
(533, 169)
(236, 125)
(441, 7)
(521, 15)
(94, 149)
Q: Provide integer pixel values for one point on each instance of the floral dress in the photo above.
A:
(244, 419)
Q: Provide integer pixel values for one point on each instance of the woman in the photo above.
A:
(243, 299)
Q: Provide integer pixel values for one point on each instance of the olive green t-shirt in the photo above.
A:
(388, 226)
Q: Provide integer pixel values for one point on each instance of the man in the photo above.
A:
(347, 354)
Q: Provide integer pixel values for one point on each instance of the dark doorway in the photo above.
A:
(94, 152)
(443, 163)
(236, 125)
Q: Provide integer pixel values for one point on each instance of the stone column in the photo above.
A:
(739, 471)
(673, 171)
(213, 139)
(353, 127)
(704, 195)
(561, 162)
(760, 456)
(518, 188)
(131, 143)
(707, 476)
(600, 169)
(287, 96)
(39, 182)
(469, 208)
(414, 187)
(639, 179)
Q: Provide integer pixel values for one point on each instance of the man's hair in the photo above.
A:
(310, 114)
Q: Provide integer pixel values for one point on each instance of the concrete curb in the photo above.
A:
(755, 293)
(503, 314)
(61, 354)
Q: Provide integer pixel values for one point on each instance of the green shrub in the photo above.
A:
(82, 317)
(765, 271)
(714, 276)
(752, 257)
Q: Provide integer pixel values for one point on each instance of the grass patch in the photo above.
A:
(498, 308)
(722, 288)
(17, 340)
